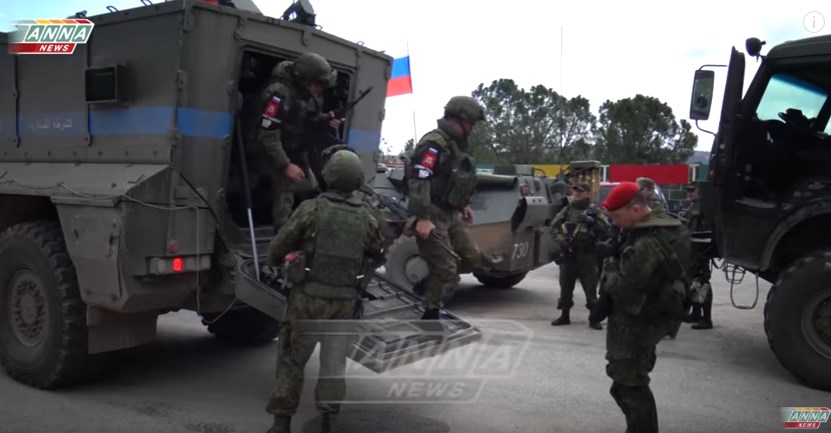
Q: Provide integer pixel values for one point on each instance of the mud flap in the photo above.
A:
(390, 333)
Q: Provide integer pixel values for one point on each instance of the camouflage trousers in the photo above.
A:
(295, 347)
(283, 195)
(583, 267)
(443, 269)
(630, 353)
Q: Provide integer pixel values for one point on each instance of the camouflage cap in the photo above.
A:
(645, 182)
(582, 187)
(691, 186)
(313, 67)
(344, 171)
(465, 108)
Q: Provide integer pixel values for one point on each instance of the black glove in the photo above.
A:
(602, 308)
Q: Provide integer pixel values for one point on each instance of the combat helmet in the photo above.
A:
(465, 108)
(344, 171)
(313, 67)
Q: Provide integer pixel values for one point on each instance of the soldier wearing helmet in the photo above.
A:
(441, 179)
(291, 104)
(336, 238)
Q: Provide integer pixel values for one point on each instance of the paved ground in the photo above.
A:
(724, 380)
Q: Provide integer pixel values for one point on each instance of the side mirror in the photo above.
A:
(702, 95)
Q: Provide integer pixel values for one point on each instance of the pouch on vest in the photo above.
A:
(462, 182)
(294, 268)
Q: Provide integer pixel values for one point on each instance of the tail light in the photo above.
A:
(177, 265)
(525, 190)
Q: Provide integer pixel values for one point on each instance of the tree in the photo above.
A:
(409, 146)
(534, 126)
(642, 130)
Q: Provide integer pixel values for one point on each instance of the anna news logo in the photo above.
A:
(59, 36)
(804, 418)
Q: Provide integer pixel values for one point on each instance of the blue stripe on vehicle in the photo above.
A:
(144, 120)
(201, 123)
(368, 141)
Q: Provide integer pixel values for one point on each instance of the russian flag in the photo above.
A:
(400, 82)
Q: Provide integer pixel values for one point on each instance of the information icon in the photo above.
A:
(814, 22)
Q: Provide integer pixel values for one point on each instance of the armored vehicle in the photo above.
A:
(513, 210)
(768, 192)
(122, 186)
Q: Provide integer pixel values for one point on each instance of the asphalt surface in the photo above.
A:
(722, 380)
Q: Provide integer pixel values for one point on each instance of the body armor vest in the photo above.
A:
(337, 256)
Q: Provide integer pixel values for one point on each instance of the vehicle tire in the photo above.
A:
(43, 326)
(244, 325)
(798, 320)
(505, 282)
(404, 266)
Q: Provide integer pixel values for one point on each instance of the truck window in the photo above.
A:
(785, 91)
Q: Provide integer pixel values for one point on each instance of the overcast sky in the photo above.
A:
(611, 49)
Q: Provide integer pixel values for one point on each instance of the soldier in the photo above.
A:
(292, 101)
(648, 185)
(339, 240)
(700, 271)
(576, 230)
(441, 182)
(646, 285)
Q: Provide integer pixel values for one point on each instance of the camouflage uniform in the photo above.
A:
(700, 272)
(341, 239)
(288, 112)
(441, 181)
(576, 230)
(646, 285)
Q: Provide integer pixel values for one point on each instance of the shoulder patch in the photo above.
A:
(271, 112)
(428, 160)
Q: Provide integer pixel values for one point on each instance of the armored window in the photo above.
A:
(105, 84)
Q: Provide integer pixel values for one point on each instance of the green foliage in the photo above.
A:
(642, 130)
(541, 126)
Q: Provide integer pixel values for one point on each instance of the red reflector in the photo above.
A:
(525, 190)
(178, 264)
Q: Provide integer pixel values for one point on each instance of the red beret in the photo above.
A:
(621, 194)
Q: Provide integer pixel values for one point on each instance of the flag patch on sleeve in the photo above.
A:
(272, 107)
(429, 159)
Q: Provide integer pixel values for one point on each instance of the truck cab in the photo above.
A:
(768, 192)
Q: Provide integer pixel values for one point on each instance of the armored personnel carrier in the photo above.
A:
(123, 176)
(513, 209)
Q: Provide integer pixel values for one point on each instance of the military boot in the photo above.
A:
(703, 324)
(564, 319)
(596, 326)
(431, 314)
(327, 423)
(282, 424)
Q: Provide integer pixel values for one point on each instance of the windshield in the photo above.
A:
(785, 92)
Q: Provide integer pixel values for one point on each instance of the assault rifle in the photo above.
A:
(341, 112)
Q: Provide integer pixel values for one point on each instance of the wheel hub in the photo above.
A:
(817, 323)
(27, 308)
(415, 269)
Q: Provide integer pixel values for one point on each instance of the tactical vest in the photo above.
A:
(454, 181)
(674, 245)
(581, 233)
(337, 256)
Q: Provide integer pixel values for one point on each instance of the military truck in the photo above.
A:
(123, 173)
(513, 208)
(768, 192)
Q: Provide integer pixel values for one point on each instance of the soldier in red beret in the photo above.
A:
(646, 283)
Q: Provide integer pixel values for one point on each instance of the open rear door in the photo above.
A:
(389, 333)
